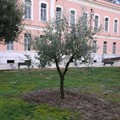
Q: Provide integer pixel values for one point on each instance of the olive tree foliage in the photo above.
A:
(11, 14)
(61, 40)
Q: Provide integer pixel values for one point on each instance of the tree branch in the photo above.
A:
(66, 67)
(58, 68)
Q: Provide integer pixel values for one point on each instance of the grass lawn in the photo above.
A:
(102, 82)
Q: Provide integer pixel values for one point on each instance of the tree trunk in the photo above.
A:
(62, 87)
(61, 80)
(62, 75)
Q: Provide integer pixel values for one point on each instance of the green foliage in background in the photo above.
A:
(11, 15)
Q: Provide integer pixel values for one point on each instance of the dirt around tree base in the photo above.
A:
(92, 107)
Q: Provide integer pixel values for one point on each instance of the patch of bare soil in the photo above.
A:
(87, 104)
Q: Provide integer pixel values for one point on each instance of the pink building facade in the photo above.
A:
(37, 12)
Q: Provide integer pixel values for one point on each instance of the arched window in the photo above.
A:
(106, 24)
(43, 12)
(84, 20)
(96, 20)
(115, 26)
(58, 12)
(72, 17)
(27, 9)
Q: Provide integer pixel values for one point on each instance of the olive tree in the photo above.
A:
(11, 14)
(62, 40)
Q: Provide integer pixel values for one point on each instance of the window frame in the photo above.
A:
(10, 46)
(98, 21)
(40, 3)
(106, 30)
(115, 26)
(32, 1)
(87, 19)
(94, 46)
(27, 42)
(28, 9)
(59, 12)
(105, 47)
(114, 48)
(72, 9)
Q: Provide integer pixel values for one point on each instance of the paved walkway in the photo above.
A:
(14, 66)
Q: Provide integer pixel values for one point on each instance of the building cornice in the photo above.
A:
(103, 5)
(33, 27)
(107, 37)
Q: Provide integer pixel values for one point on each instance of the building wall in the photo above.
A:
(34, 26)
